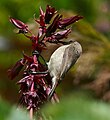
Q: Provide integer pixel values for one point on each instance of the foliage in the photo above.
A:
(76, 106)
(8, 112)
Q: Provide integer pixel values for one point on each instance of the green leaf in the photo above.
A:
(12, 113)
(4, 110)
(18, 114)
(77, 108)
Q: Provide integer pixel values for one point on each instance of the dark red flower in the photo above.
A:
(55, 38)
(42, 19)
(53, 27)
(14, 71)
(20, 25)
(61, 34)
(50, 12)
(27, 80)
(67, 21)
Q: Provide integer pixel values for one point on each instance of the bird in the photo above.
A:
(61, 61)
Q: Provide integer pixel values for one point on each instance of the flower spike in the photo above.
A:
(36, 85)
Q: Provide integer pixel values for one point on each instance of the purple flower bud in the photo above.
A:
(41, 21)
(53, 27)
(67, 21)
(50, 12)
(16, 68)
(61, 34)
(20, 25)
(26, 80)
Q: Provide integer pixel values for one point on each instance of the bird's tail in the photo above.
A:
(54, 85)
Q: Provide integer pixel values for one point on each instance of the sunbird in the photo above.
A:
(61, 61)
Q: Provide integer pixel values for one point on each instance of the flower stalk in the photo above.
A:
(36, 83)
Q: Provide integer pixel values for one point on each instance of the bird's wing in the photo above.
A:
(70, 56)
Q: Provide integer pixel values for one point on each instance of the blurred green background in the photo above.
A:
(92, 71)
